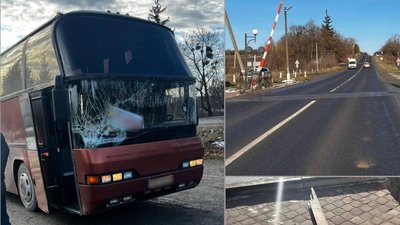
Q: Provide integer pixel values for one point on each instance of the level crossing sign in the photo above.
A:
(297, 64)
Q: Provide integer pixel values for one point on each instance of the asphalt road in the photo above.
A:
(201, 205)
(342, 124)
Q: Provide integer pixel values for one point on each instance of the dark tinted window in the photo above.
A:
(11, 71)
(37, 109)
(105, 44)
(41, 59)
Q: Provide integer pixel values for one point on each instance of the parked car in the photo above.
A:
(263, 77)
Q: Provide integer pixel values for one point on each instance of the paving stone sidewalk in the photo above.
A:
(365, 204)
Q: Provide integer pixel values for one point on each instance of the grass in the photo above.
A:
(389, 68)
(209, 135)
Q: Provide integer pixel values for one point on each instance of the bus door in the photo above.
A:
(32, 150)
(53, 152)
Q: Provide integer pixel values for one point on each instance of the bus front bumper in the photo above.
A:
(97, 198)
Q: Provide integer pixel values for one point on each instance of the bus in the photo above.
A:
(99, 111)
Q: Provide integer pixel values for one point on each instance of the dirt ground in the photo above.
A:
(211, 136)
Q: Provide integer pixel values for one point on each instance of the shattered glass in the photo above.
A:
(110, 111)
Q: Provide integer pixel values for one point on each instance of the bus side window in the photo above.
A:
(41, 59)
(11, 71)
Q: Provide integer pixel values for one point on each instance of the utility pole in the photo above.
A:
(247, 40)
(234, 60)
(316, 55)
(237, 55)
(287, 50)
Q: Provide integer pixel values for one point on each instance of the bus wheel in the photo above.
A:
(26, 189)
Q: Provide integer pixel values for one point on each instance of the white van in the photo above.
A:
(352, 64)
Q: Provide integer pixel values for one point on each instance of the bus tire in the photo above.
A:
(26, 189)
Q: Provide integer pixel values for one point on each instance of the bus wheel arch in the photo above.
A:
(26, 189)
(16, 165)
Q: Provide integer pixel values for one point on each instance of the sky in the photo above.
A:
(20, 17)
(370, 22)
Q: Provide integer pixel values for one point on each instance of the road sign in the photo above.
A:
(398, 61)
(297, 63)
(249, 49)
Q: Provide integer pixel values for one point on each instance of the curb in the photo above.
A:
(215, 121)
(299, 184)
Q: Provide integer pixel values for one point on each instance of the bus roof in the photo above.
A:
(79, 13)
(108, 14)
(33, 32)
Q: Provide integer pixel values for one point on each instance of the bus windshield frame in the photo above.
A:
(117, 45)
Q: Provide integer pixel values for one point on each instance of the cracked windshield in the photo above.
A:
(106, 111)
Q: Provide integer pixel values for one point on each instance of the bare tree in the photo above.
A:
(392, 46)
(155, 12)
(203, 50)
(303, 40)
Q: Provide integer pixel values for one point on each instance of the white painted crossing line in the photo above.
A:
(265, 135)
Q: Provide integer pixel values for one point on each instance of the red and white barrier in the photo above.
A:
(262, 62)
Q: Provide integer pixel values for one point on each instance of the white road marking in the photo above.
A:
(349, 78)
(265, 135)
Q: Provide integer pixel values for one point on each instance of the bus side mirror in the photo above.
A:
(60, 100)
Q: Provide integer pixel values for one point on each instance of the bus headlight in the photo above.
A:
(192, 163)
(93, 179)
(128, 175)
(199, 162)
(117, 176)
(106, 179)
(185, 164)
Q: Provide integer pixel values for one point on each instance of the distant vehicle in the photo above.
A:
(366, 65)
(352, 64)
